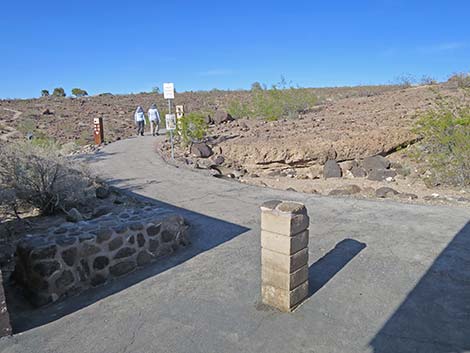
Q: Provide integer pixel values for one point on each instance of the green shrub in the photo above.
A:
(78, 92)
(282, 100)
(193, 127)
(42, 177)
(44, 93)
(27, 125)
(58, 92)
(239, 109)
(445, 144)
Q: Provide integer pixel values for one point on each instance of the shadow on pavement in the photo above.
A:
(435, 315)
(322, 271)
(205, 233)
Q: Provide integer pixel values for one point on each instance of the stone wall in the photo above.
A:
(76, 256)
(5, 326)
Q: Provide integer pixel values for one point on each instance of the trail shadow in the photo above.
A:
(435, 315)
(322, 271)
(94, 157)
(205, 233)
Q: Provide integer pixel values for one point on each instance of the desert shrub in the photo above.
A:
(41, 177)
(78, 92)
(239, 109)
(428, 80)
(405, 80)
(445, 144)
(282, 100)
(461, 79)
(58, 92)
(44, 93)
(26, 125)
(193, 127)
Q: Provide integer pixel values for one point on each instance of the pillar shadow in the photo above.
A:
(435, 315)
(322, 271)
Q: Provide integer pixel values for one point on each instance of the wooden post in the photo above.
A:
(98, 131)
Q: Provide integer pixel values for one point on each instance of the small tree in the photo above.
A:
(156, 90)
(58, 92)
(193, 128)
(44, 93)
(78, 92)
(256, 86)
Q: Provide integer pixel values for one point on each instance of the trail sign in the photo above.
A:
(98, 130)
(169, 91)
(170, 121)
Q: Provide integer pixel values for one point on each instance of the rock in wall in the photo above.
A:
(73, 257)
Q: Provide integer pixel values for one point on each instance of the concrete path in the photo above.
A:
(385, 276)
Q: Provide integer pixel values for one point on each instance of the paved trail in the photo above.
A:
(385, 276)
(11, 131)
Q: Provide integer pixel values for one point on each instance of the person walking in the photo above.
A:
(139, 117)
(154, 117)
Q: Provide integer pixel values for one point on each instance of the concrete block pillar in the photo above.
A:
(284, 254)
(5, 327)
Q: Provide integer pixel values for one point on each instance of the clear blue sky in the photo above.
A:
(132, 46)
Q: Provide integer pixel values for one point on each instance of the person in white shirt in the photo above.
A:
(154, 117)
(139, 117)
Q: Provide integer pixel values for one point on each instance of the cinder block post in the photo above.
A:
(5, 327)
(284, 254)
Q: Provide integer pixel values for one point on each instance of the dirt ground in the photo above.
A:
(348, 124)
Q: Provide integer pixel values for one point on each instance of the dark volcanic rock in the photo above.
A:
(331, 169)
(201, 150)
(345, 190)
(358, 172)
(69, 256)
(100, 262)
(384, 192)
(381, 174)
(124, 252)
(122, 268)
(375, 162)
(221, 116)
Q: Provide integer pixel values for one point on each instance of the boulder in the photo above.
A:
(47, 112)
(375, 162)
(408, 196)
(222, 116)
(219, 160)
(102, 192)
(74, 215)
(345, 190)
(381, 174)
(358, 172)
(201, 150)
(331, 169)
(385, 192)
(208, 120)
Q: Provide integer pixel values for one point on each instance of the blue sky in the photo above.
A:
(132, 46)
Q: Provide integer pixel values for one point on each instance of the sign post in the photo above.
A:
(179, 117)
(98, 131)
(170, 119)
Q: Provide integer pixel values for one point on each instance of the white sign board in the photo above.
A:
(170, 121)
(169, 91)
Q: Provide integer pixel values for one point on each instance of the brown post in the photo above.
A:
(284, 254)
(5, 326)
(98, 131)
